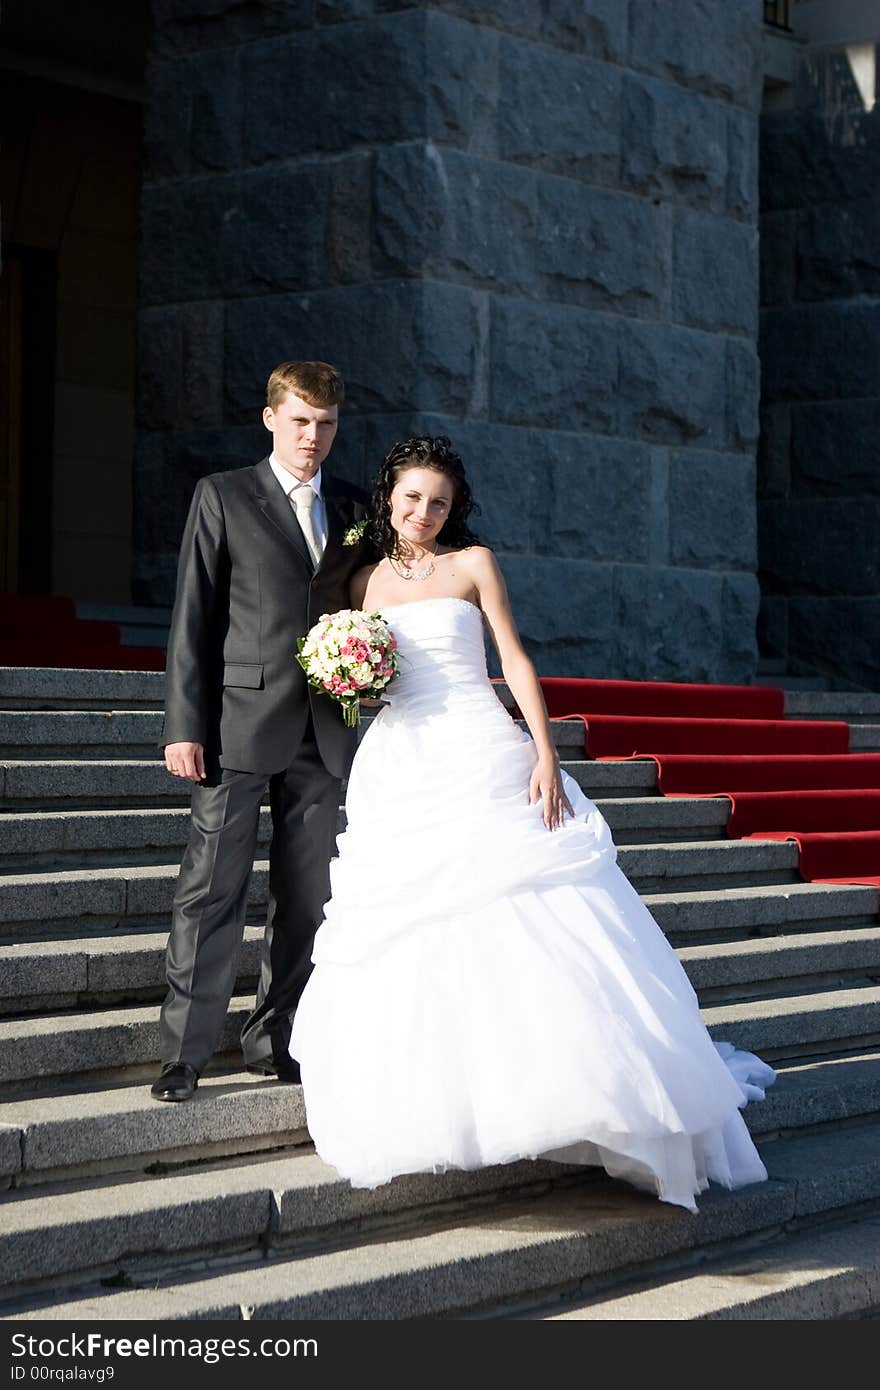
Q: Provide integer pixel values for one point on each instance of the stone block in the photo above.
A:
(553, 365)
(821, 351)
(778, 233)
(835, 448)
(191, 240)
(274, 246)
(592, 497)
(577, 133)
(674, 144)
(740, 601)
(672, 384)
(668, 623)
(658, 551)
(599, 249)
(714, 46)
(462, 94)
(201, 364)
(712, 511)
(774, 448)
(597, 27)
(153, 576)
(838, 250)
(563, 609)
(821, 545)
(339, 11)
(742, 393)
(216, 103)
(168, 475)
(158, 368)
(167, 114)
(742, 163)
(806, 158)
(715, 272)
(773, 626)
(302, 106)
(398, 345)
(443, 214)
(838, 635)
(180, 26)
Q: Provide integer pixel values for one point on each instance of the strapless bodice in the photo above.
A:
(441, 651)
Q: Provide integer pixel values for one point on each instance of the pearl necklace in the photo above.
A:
(406, 572)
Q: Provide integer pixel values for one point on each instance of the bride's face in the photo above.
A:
(420, 503)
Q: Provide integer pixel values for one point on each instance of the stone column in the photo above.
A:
(819, 481)
(531, 226)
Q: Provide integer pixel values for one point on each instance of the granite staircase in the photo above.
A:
(118, 1207)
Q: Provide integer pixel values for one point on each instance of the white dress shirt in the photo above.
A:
(289, 482)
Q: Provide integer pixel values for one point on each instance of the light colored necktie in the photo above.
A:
(303, 500)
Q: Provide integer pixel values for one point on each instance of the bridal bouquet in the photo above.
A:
(350, 655)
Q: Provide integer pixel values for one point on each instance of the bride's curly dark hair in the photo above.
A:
(423, 451)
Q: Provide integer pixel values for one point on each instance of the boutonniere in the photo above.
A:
(355, 533)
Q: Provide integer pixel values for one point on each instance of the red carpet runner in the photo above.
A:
(43, 630)
(786, 778)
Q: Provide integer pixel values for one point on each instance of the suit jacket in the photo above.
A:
(245, 591)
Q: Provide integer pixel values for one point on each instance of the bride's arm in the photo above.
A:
(522, 680)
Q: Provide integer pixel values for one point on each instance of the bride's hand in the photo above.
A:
(546, 783)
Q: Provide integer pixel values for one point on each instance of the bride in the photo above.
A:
(487, 984)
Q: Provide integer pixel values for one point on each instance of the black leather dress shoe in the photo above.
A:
(287, 1071)
(176, 1081)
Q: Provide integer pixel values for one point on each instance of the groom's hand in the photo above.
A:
(186, 760)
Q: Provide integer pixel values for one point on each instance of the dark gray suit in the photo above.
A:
(246, 589)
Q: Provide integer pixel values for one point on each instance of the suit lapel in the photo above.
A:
(336, 523)
(274, 505)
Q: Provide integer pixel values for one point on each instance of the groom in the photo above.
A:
(264, 554)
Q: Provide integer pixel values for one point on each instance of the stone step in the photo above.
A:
(67, 734)
(699, 917)
(864, 738)
(650, 819)
(48, 840)
(825, 1274)
(51, 1138)
(802, 1025)
(89, 899)
(96, 1226)
(106, 1043)
(102, 1044)
(56, 784)
(51, 687)
(697, 865)
(493, 1258)
(97, 971)
(854, 706)
(109, 967)
(739, 970)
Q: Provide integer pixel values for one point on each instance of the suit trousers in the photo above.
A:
(210, 900)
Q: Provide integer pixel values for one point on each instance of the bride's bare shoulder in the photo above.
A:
(479, 559)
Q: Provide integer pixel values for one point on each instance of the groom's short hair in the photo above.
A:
(316, 383)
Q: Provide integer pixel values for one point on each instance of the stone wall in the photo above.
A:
(530, 224)
(819, 468)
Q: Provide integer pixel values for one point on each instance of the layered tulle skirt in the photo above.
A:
(486, 990)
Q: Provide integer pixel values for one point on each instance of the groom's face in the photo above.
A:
(303, 434)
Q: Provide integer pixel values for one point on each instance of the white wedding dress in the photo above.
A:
(486, 990)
